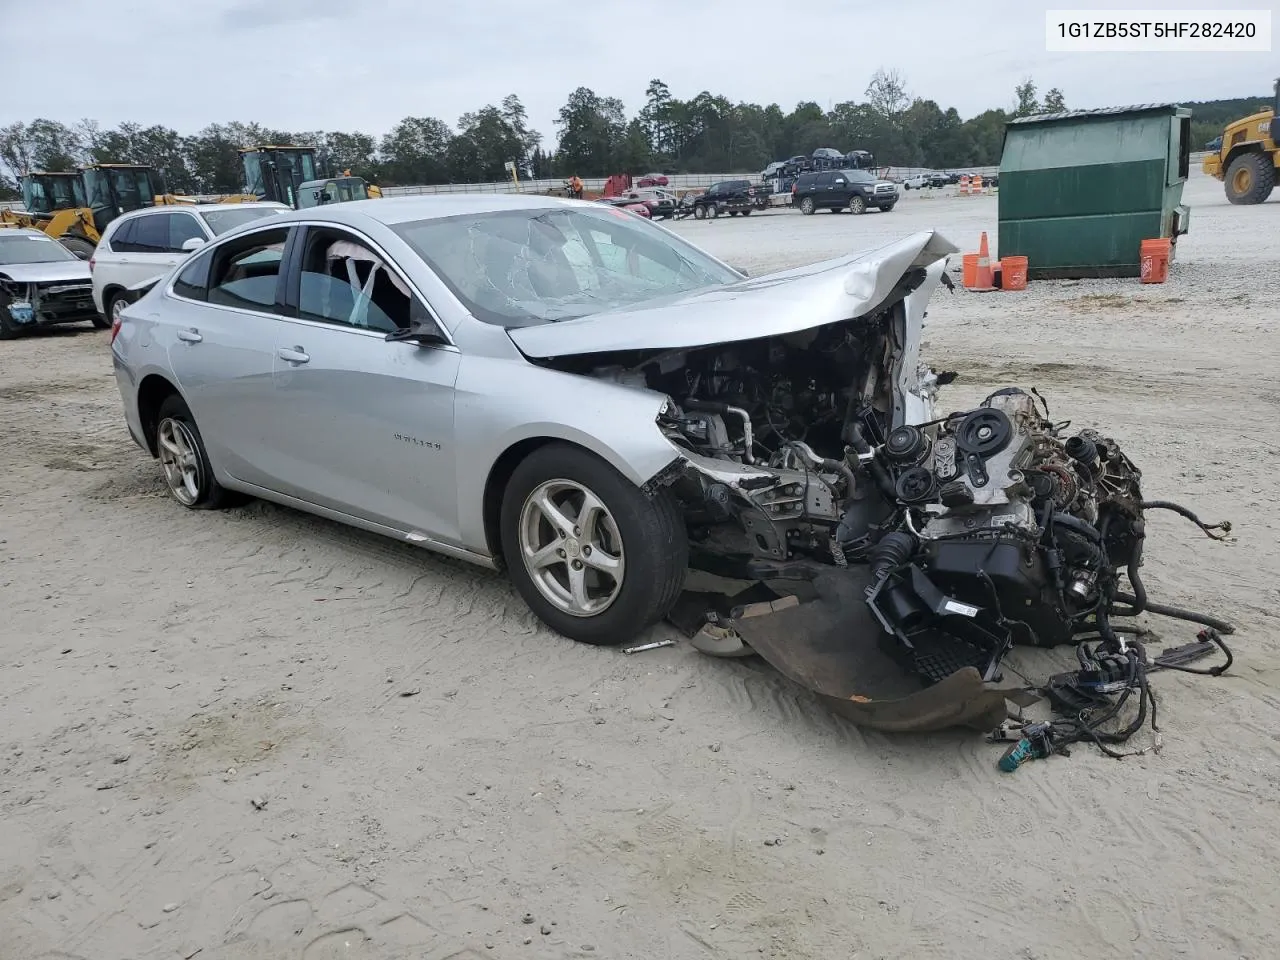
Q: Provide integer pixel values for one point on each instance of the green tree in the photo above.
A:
(1053, 101)
(591, 130)
(1026, 103)
(415, 151)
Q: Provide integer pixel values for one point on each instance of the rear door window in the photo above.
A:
(245, 272)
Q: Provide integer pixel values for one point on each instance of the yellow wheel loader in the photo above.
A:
(74, 208)
(1247, 156)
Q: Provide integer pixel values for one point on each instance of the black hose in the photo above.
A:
(1177, 613)
(1135, 578)
(1224, 527)
(1078, 525)
(892, 551)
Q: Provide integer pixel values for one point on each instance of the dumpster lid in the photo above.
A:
(1099, 112)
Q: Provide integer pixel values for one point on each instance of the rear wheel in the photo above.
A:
(746, 212)
(81, 247)
(857, 205)
(807, 206)
(700, 211)
(184, 460)
(593, 556)
(713, 210)
(1250, 178)
(733, 213)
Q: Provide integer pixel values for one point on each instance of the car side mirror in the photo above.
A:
(193, 243)
(422, 330)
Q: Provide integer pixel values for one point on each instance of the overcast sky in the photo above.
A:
(338, 65)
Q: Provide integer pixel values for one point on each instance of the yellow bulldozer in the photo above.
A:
(1247, 155)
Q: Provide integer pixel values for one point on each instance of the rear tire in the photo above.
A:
(807, 206)
(747, 212)
(700, 212)
(646, 533)
(185, 461)
(81, 247)
(1250, 178)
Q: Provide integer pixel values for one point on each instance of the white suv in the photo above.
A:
(145, 244)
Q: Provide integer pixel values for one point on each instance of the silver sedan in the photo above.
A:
(555, 388)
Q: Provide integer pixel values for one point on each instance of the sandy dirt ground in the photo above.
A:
(253, 734)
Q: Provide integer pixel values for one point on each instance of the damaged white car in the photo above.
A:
(585, 399)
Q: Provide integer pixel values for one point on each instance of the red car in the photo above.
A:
(625, 203)
(652, 180)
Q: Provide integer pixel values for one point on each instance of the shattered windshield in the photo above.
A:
(524, 267)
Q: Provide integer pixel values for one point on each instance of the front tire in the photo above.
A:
(700, 212)
(857, 205)
(184, 460)
(594, 557)
(1250, 178)
(746, 212)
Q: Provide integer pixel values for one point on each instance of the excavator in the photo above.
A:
(1247, 155)
(297, 176)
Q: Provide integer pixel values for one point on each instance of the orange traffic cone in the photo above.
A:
(984, 279)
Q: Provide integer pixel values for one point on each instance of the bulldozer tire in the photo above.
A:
(81, 247)
(1250, 178)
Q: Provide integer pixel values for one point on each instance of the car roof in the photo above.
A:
(394, 210)
(23, 232)
(198, 208)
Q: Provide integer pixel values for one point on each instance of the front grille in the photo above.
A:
(64, 302)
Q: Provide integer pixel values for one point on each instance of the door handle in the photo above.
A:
(191, 335)
(293, 354)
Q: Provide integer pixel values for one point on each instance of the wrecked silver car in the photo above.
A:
(41, 284)
(585, 399)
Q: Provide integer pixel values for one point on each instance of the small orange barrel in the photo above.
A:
(1153, 260)
(1013, 270)
(964, 186)
(969, 270)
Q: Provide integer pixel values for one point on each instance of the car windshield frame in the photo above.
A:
(859, 176)
(247, 214)
(494, 261)
(27, 241)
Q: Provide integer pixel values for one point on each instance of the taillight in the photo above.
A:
(115, 328)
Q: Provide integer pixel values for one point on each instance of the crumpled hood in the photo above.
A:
(53, 271)
(778, 303)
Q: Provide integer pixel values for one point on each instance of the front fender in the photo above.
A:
(503, 402)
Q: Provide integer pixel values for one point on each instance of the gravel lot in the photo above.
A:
(255, 734)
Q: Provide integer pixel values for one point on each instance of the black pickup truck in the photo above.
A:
(728, 196)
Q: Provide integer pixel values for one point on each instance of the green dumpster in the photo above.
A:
(1080, 191)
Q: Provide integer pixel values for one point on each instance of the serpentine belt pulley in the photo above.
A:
(982, 434)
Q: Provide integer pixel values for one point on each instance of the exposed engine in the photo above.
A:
(984, 528)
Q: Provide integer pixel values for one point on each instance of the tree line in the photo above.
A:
(594, 137)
